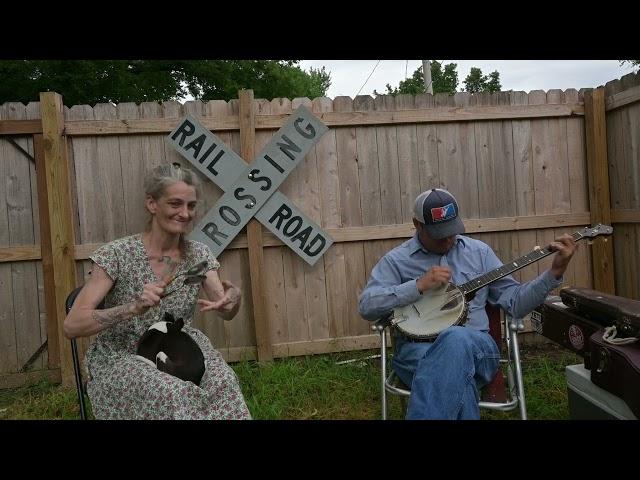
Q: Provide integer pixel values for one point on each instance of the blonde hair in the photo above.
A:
(164, 176)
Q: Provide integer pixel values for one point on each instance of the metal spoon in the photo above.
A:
(197, 269)
(195, 275)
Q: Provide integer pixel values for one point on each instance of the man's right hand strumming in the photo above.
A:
(433, 278)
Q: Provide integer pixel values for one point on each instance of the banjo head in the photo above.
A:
(434, 312)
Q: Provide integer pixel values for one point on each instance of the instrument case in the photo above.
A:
(604, 308)
(616, 369)
(557, 322)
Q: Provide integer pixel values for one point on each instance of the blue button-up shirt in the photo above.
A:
(393, 281)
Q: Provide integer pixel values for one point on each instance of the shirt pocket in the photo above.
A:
(468, 275)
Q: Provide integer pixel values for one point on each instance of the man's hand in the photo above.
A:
(434, 278)
(564, 247)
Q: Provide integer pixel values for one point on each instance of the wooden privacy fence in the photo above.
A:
(524, 167)
(623, 153)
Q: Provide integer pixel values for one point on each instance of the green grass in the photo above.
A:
(313, 387)
(545, 385)
(316, 387)
(41, 401)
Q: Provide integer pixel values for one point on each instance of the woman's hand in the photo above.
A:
(228, 303)
(150, 297)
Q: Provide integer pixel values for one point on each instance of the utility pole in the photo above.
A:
(426, 71)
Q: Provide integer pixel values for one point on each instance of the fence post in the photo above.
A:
(254, 233)
(598, 175)
(47, 257)
(58, 187)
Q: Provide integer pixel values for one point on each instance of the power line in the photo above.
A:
(365, 82)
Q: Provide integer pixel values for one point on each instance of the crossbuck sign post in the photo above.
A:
(251, 190)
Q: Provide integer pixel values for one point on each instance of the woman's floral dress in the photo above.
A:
(122, 386)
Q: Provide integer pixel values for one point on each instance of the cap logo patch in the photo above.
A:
(440, 214)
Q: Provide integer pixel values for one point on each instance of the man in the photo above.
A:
(445, 375)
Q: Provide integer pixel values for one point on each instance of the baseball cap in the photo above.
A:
(438, 210)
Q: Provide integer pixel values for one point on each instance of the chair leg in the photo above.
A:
(383, 363)
(518, 370)
(78, 376)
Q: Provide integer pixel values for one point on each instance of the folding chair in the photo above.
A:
(494, 396)
(80, 385)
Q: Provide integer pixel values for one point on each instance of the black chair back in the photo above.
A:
(74, 353)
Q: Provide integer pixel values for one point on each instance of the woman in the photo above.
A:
(132, 274)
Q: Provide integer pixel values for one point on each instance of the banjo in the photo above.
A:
(447, 306)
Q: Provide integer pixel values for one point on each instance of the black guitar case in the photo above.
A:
(605, 309)
(616, 369)
(566, 327)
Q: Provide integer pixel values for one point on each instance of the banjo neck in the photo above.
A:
(508, 268)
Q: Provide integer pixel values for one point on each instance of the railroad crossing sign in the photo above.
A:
(252, 190)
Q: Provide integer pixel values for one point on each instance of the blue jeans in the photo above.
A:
(446, 375)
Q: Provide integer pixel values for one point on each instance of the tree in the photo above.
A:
(118, 81)
(221, 79)
(634, 63)
(493, 85)
(476, 82)
(443, 81)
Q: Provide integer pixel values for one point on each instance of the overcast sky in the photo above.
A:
(349, 76)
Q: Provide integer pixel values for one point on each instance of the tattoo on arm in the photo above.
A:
(112, 316)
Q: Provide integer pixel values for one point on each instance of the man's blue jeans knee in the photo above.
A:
(446, 375)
